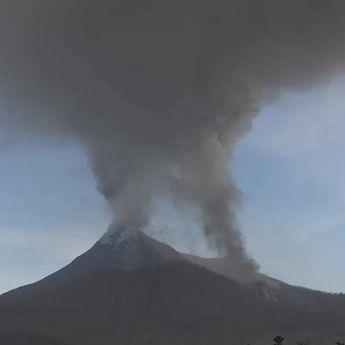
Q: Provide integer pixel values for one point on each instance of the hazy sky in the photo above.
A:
(290, 169)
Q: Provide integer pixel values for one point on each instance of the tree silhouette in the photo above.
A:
(278, 340)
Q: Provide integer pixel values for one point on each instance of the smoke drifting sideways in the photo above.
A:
(158, 92)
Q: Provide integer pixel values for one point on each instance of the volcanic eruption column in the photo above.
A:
(159, 92)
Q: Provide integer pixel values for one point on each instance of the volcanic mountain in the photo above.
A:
(132, 289)
(116, 250)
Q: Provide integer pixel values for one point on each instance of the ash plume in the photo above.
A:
(159, 92)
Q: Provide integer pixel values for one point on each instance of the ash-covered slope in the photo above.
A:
(265, 286)
(226, 268)
(273, 289)
(119, 250)
(131, 289)
(175, 302)
(115, 250)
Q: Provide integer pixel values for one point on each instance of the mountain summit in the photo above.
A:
(115, 250)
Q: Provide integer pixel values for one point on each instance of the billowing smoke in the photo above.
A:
(159, 91)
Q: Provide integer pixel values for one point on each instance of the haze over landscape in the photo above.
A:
(206, 136)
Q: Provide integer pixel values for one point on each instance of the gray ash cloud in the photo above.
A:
(159, 92)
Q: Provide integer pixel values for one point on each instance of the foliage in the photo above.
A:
(278, 340)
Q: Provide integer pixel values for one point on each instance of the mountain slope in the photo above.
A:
(116, 250)
(273, 289)
(135, 290)
(179, 299)
(167, 303)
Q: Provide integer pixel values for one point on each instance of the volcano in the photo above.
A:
(132, 289)
(115, 250)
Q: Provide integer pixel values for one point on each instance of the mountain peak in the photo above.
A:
(129, 250)
(116, 250)
(115, 235)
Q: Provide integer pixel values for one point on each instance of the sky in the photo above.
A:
(290, 168)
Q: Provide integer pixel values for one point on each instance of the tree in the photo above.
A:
(278, 340)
